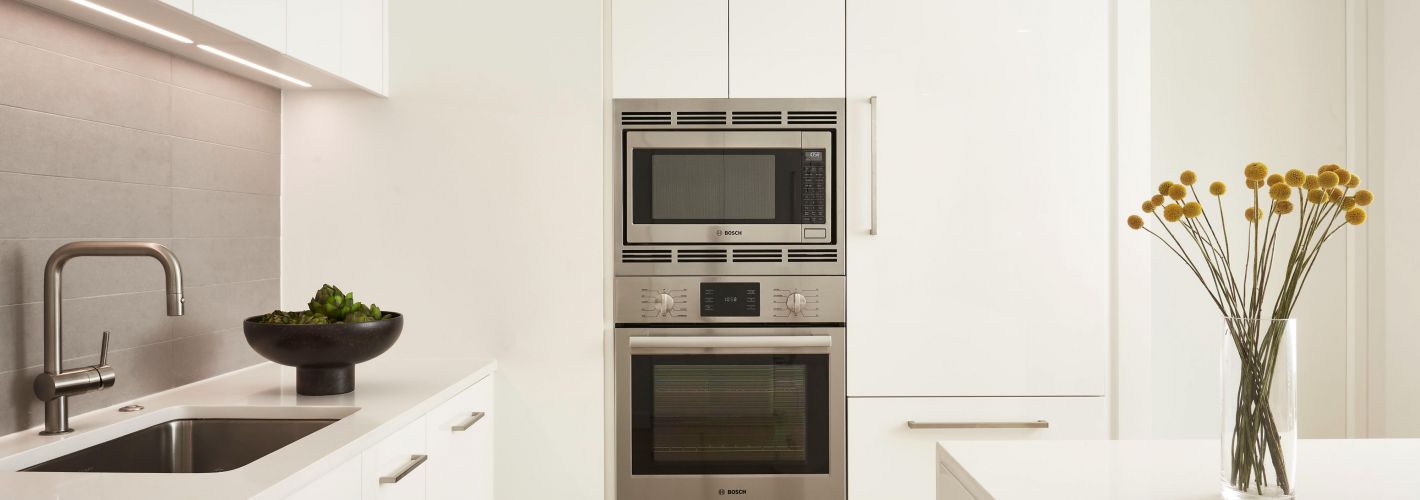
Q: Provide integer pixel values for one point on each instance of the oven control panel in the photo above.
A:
(729, 299)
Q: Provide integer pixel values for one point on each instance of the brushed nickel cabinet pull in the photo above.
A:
(873, 162)
(472, 419)
(1034, 424)
(414, 462)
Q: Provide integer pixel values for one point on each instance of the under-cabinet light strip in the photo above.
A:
(253, 65)
(131, 20)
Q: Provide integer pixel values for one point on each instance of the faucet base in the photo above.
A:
(55, 433)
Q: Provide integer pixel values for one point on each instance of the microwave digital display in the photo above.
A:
(729, 299)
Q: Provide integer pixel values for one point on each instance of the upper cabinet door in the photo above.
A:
(263, 21)
(990, 271)
(313, 32)
(362, 43)
(670, 48)
(786, 48)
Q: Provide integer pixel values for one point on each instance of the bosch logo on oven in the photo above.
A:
(728, 232)
(724, 492)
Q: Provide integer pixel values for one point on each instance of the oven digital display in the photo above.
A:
(729, 299)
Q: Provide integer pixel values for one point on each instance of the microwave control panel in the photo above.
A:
(812, 191)
(729, 299)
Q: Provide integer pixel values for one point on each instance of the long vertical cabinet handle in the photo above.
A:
(873, 162)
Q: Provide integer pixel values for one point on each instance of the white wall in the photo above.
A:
(1235, 82)
(470, 200)
(1393, 240)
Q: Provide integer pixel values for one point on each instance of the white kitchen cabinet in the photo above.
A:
(262, 21)
(343, 482)
(670, 48)
(460, 438)
(786, 48)
(313, 32)
(362, 43)
(395, 468)
(888, 459)
(989, 273)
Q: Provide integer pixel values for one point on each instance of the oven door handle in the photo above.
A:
(733, 342)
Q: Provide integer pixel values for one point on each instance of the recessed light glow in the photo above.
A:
(254, 66)
(130, 20)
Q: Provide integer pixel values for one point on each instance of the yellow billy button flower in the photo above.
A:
(1188, 177)
(1164, 187)
(1355, 181)
(1283, 207)
(1311, 182)
(1364, 197)
(1157, 200)
(1335, 194)
(1327, 168)
(1135, 222)
(1328, 179)
(1295, 177)
(1274, 179)
(1279, 192)
(1250, 214)
(1177, 191)
(1255, 171)
(1316, 196)
(1217, 188)
(1254, 184)
(1173, 213)
(1343, 176)
(1192, 209)
(1348, 203)
(1356, 216)
(1149, 206)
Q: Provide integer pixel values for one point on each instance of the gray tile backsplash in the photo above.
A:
(105, 138)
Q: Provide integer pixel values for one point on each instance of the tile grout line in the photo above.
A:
(146, 131)
(220, 331)
(186, 288)
(143, 184)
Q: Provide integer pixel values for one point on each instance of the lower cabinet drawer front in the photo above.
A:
(460, 436)
(888, 459)
(391, 470)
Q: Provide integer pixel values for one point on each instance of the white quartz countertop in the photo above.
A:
(1340, 469)
(389, 394)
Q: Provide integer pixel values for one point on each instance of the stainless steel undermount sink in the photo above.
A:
(187, 445)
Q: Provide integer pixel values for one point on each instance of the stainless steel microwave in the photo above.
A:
(754, 182)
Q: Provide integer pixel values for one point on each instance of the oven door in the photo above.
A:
(727, 187)
(754, 411)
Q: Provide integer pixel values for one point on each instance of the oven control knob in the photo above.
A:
(664, 303)
(795, 302)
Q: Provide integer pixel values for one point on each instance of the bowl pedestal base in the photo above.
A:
(325, 380)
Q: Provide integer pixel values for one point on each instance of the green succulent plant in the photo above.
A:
(329, 305)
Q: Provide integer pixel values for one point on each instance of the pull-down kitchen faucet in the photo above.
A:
(56, 384)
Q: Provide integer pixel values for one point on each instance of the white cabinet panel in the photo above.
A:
(184, 5)
(786, 48)
(313, 32)
(391, 456)
(343, 482)
(670, 48)
(887, 459)
(263, 21)
(362, 43)
(990, 273)
(460, 435)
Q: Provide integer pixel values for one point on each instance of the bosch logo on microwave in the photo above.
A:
(724, 492)
(729, 232)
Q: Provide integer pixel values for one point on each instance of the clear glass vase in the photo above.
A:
(1259, 395)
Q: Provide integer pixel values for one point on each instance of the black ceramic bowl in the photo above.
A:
(324, 355)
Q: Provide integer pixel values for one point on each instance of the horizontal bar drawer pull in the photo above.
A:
(472, 419)
(414, 462)
(1034, 424)
(713, 342)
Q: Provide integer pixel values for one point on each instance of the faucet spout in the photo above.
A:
(56, 384)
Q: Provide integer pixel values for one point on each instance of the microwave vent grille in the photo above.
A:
(759, 255)
(646, 118)
(700, 255)
(758, 117)
(700, 118)
(813, 255)
(648, 256)
(813, 117)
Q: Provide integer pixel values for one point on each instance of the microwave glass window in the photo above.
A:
(729, 414)
(734, 187)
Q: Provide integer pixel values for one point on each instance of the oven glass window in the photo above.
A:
(719, 186)
(730, 414)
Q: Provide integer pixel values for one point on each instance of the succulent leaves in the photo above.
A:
(329, 305)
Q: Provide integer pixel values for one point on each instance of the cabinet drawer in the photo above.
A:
(460, 437)
(392, 469)
(887, 459)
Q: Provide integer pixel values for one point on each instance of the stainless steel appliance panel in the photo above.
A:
(683, 299)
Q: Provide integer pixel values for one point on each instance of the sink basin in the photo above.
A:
(188, 445)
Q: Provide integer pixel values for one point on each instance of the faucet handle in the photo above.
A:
(103, 350)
